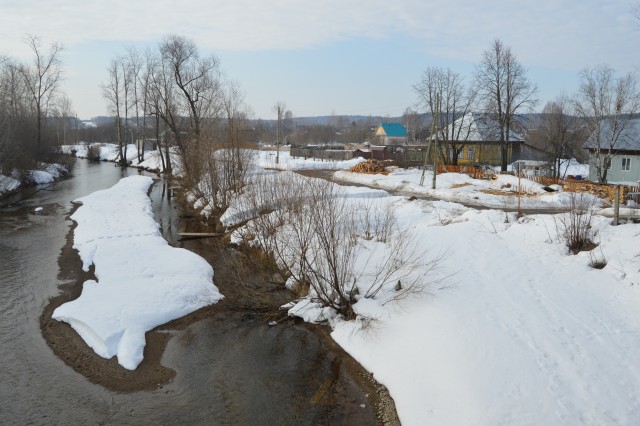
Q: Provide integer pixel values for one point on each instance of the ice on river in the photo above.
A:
(142, 282)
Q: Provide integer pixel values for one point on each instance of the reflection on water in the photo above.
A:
(229, 371)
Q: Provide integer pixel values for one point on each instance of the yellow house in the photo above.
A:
(477, 141)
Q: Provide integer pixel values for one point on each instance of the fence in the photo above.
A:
(322, 154)
(602, 190)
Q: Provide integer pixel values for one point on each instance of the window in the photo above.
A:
(470, 153)
(626, 164)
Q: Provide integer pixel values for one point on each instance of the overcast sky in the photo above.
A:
(331, 56)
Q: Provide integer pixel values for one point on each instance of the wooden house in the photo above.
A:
(477, 139)
(624, 165)
(391, 134)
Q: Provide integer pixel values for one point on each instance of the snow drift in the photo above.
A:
(142, 282)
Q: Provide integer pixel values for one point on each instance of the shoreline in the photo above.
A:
(68, 346)
(151, 374)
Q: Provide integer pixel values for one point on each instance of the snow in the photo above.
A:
(461, 188)
(267, 160)
(8, 184)
(142, 282)
(46, 173)
(109, 152)
(527, 335)
(512, 329)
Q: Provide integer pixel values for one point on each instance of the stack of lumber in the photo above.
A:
(369, 166)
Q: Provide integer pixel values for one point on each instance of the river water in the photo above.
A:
(228, 371)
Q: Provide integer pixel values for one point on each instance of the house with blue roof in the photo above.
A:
(391, 134)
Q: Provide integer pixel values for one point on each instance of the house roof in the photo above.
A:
(629, 139)
(478, 128)
(393, 130)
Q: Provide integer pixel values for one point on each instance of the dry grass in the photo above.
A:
(507, 193)
(460, 185)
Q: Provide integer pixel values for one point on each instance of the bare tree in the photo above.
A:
(64, 112)
(606, 104)
(112, 91)
(42, 77)
(340, 250)
(559, 134)
(163, 106)
(279, 108)
(455, 103)
(197, 86)
(412, 121)
(135, 64)
(504, 89)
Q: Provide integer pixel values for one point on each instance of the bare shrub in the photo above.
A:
(574, 227)
(339, 248)
(597, 261)
(222, 176)
(93, 152)
(377, 219)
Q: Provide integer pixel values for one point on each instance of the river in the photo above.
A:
(230, 368)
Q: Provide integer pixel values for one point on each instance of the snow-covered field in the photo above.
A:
(461, 188)
(142, 282)
(521, 333)
(267, 160)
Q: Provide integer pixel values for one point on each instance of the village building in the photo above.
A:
(476, 137)
(624, 164)
(391, 134)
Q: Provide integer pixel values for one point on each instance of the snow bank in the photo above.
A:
(47, 173)
(267, 159)
(142, 282)
(520, 333)
(8, 184)
(109, 152)
(528, 334)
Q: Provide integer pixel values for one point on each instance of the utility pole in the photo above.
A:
(434, 129)
(435, 152)
(278, 140)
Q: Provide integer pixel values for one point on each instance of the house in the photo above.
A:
(624, 163)
(532, 167)
(391, 134)
(476, 137)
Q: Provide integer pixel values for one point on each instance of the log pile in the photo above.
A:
(369, 166)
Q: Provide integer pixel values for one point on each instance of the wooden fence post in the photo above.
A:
(616, 208)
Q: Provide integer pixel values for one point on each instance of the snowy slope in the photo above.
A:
(526, 335)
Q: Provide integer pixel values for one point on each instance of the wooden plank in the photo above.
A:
(200, 234)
